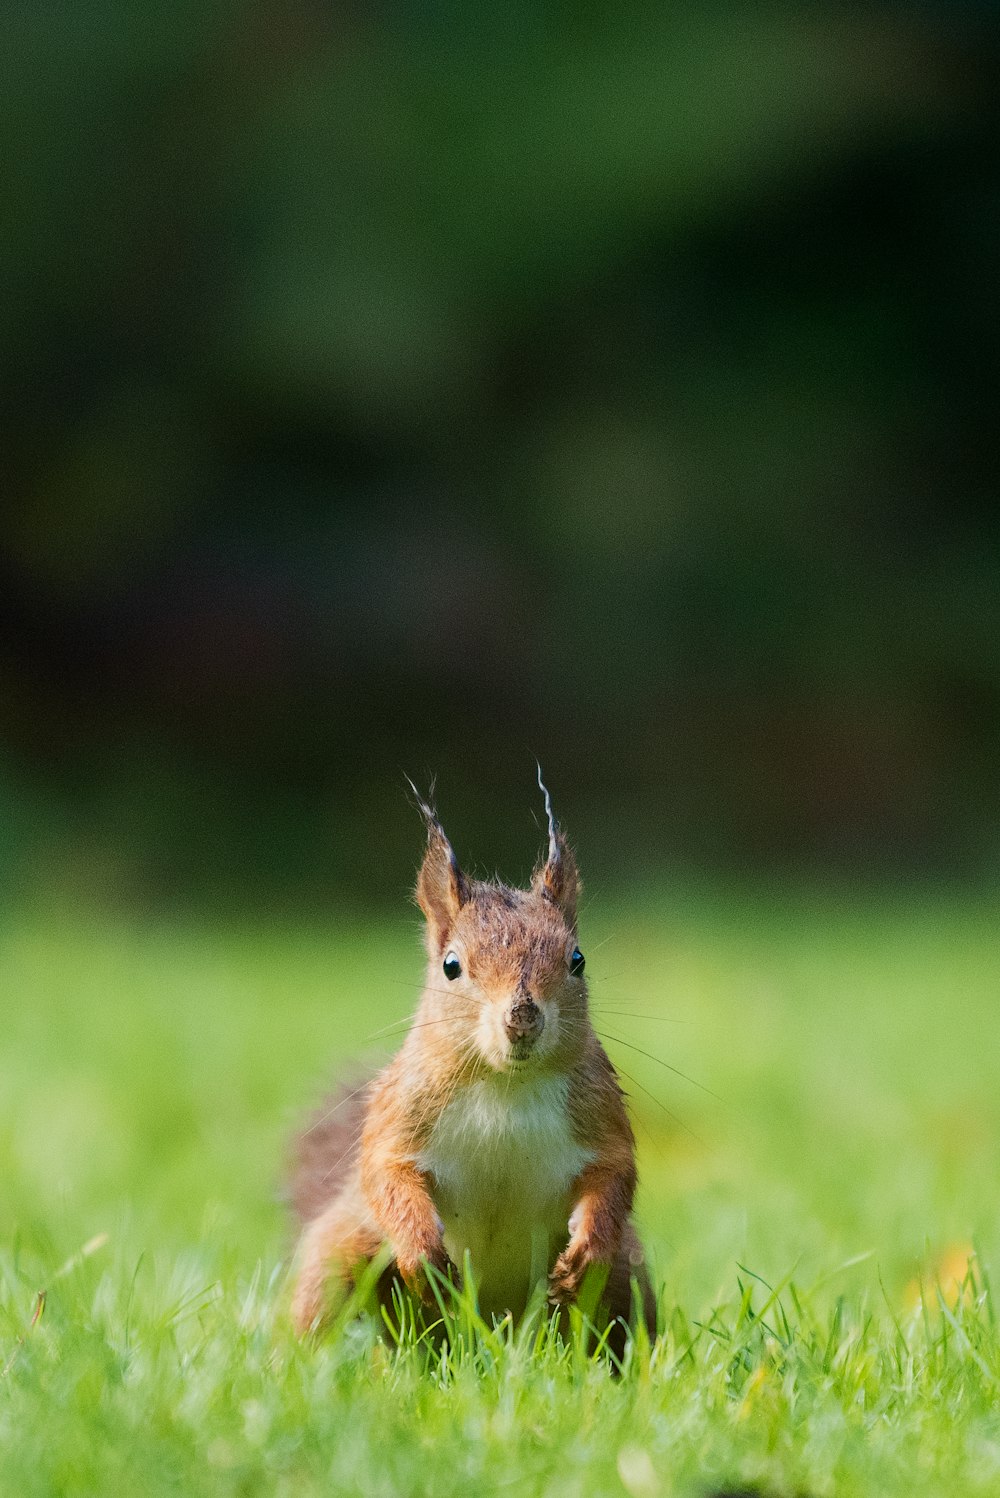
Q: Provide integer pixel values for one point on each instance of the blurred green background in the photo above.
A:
(427, 388)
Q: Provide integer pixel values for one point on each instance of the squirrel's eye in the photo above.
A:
(452, 966)
(577, 962)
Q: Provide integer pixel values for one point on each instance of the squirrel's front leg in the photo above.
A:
(400, 1202)
(603, 1195)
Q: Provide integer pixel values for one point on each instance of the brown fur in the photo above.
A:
(326, 1151)
(376, 1168)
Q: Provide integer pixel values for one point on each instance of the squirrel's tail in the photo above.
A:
(325, 1151)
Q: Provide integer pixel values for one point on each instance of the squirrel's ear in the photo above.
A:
(442, 888)
(557, 878)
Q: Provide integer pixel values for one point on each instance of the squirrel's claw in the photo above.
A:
(567, 1275)
(413, 1273)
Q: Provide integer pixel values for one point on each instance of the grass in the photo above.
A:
(822, 1236)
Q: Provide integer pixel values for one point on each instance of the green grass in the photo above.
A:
(151, 1074)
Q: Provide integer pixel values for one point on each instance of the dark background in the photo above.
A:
(430, 387)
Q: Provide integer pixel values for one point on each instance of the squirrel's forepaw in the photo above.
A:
(567, 1275)
(413, 1272)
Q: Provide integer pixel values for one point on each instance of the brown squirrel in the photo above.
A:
(499, 1129)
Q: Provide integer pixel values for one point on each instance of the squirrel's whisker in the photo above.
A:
(652, 1095)
(663, 1019)
(617, 1040)
(318, 1123)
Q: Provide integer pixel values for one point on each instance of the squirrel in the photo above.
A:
(499, 1129)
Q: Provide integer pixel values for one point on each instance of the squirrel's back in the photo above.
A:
(326, 1150)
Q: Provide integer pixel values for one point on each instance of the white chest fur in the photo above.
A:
(503, 1158)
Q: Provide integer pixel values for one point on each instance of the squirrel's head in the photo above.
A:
(505, 965)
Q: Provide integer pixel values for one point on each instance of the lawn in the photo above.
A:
(823, 1221)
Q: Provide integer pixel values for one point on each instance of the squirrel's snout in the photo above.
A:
(524, 1022)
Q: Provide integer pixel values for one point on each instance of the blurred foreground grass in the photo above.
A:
(151, 1075)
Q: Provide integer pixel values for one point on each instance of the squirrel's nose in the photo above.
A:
(524, 1020)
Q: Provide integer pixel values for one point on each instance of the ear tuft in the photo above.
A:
(557, 879)
(442, 888)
